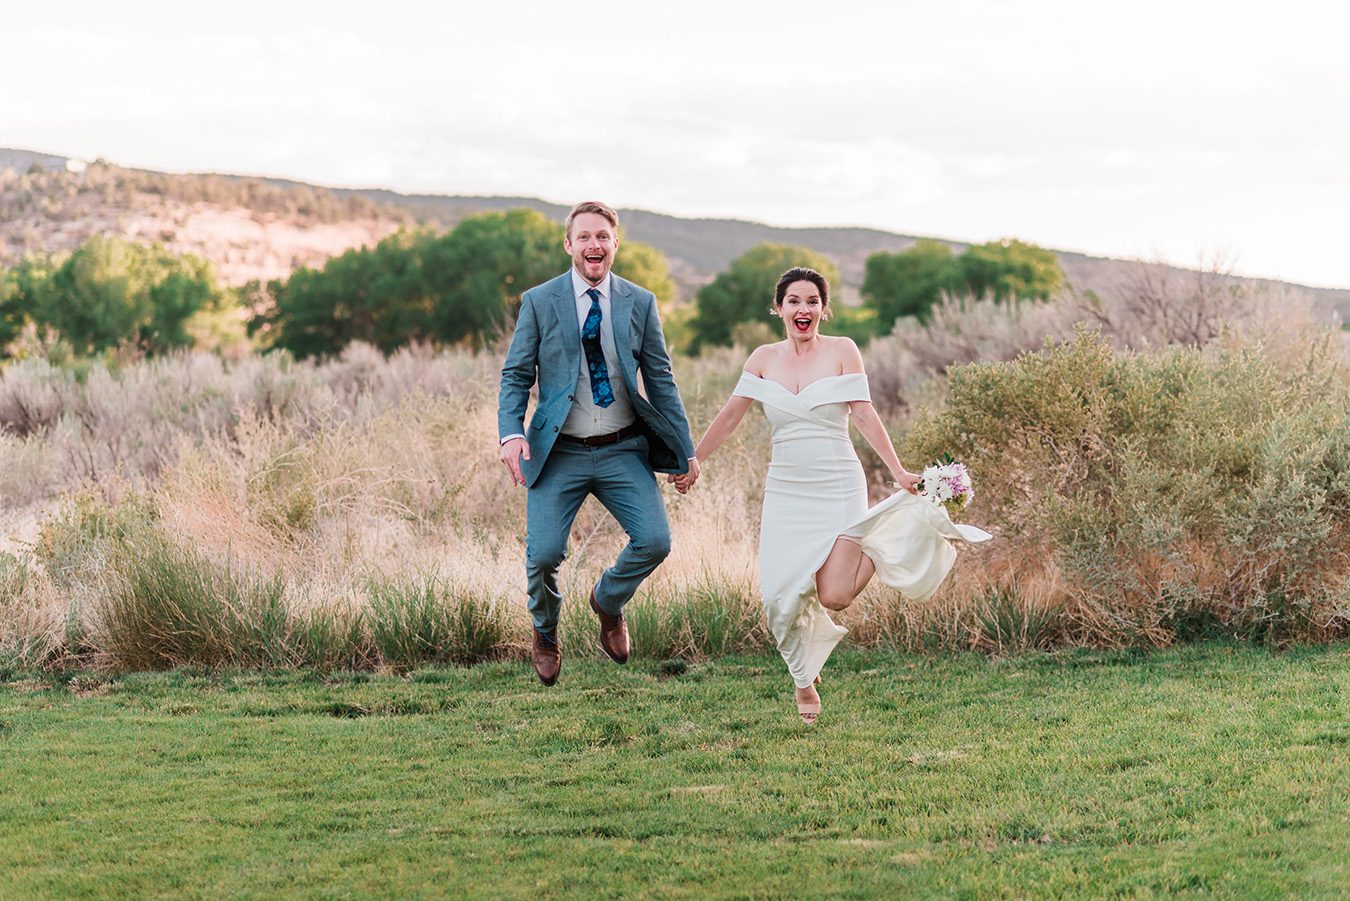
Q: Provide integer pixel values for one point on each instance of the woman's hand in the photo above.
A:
(685, 480)
(906, 480)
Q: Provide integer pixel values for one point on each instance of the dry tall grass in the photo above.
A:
(332, 505)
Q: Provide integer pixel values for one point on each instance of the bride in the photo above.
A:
(819, 544)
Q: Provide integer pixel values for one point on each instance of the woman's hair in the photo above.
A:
(802, 274)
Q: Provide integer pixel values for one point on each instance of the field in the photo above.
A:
(262, 632)
(351, 513)
(1214, 769)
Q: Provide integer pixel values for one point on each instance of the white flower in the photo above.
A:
(947, 485)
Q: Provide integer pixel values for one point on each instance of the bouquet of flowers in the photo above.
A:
(946, 483)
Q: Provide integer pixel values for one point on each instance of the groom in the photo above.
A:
(584, 337)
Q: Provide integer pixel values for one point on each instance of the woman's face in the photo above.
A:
(802, 310)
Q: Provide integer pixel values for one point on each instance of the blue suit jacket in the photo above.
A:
(546, 348)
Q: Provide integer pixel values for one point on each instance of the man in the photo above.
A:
(585, 336)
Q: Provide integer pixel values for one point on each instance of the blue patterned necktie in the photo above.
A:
(595, 357)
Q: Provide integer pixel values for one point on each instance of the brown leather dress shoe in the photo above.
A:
(613, 633)
(546, 656)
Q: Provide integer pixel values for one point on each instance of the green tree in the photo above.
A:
(477, 272)
(908, 283)
(644, 265)
(111, 291)
(1010, 269)
(372, 294)
(13, 312)
(744, 291)
(460, 287)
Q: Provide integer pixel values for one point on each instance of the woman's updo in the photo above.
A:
(802, 274)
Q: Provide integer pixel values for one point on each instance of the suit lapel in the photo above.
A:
(621, 320)
(565, 305)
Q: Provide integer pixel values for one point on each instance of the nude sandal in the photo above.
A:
(807, 710)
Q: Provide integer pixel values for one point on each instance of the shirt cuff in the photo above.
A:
(508, 438)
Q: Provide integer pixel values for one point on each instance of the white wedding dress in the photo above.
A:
(815, 492)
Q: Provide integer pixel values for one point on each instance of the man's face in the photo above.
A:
(592, 245)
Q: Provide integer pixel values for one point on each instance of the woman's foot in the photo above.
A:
(808, 704)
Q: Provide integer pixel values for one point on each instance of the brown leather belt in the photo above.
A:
(626, 432)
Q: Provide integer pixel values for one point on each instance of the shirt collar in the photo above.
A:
(580, 286)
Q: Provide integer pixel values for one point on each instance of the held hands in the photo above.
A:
(685, 480)
(513, 451)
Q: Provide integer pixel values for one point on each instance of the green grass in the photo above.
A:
(1210, 769)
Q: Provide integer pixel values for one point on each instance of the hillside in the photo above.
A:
(249, 228)
(255, 228)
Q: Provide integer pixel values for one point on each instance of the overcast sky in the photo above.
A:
(1174, 130)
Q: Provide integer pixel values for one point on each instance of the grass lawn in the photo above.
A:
(1210, 769)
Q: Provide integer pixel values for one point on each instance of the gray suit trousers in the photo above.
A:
(620, 477)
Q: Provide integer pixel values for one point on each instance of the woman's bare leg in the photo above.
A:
(844, 574)
(840, 579)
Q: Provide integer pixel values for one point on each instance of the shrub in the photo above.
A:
(424, 620)
(1009, 624)
(1155, 307)
(166, 605)
(74, 547)
(330, 637)
(709, 617)
(1226, 469)
(30, 624)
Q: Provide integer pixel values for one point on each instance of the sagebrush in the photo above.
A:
(1157, 478)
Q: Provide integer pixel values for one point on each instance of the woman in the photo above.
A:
(819, 543)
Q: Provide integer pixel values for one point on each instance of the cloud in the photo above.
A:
(1106, 129)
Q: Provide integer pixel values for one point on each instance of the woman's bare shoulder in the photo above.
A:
(760, 357)
(845, 352)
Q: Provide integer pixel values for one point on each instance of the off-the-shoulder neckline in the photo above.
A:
(804, 388)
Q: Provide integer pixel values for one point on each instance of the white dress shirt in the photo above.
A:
(586, 419)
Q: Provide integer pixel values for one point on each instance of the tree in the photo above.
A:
(110, 291)
(477, 272)
(644, 265)
(460, 287)
(910, 282)
(376, 295)
(744, 291)
(13, 311)
(1010, 269)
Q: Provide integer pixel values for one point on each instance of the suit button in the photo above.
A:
(570, 397)
(555, 428)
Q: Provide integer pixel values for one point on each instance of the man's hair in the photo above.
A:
(590, 206)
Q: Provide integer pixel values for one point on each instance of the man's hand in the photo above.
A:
(685, 480)
(512, 451)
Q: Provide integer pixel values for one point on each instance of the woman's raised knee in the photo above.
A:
(835, 600)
